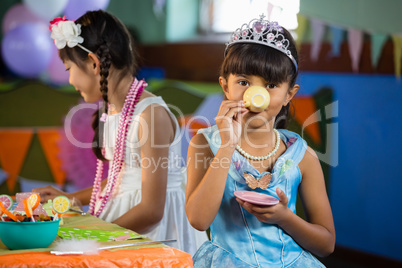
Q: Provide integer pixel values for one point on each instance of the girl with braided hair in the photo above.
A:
(134, 131)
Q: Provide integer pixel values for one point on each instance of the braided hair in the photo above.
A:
(112, 43)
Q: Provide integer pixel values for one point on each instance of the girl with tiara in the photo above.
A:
(135, 132)
(245, 172)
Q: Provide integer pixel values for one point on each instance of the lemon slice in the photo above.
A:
(61, 204)
(34, 200)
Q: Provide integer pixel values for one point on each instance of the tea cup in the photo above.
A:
(256, 99)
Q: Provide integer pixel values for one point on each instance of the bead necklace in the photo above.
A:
(118, 155)
(261, 158)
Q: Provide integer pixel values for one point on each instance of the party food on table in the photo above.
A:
(34, 200)
(61, 204)
(29, 209)
(7, 201)
(7, 212)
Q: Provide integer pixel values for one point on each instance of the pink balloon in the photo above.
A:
(17, 15)
(56, 70)
(77, 8)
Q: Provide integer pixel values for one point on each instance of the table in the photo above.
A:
(151, 255)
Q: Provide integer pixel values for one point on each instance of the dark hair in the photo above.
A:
(108, 38)
(273, 65)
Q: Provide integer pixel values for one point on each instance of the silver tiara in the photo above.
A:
(264, 32)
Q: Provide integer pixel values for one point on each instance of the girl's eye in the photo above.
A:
(243, 83)
(271, 86)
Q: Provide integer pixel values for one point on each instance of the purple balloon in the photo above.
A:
(17, 15)
(77, 8)
(26, 49)
(56, 70)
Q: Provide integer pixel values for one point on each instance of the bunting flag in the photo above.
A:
(48, 139)
(397, 54)
(14, 145)
(301, 29)
(318, 30)
(355, 42)
(306, 116)
(270, 8)
(377, 43)
(336, 40)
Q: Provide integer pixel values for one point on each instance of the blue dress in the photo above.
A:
(239, 239)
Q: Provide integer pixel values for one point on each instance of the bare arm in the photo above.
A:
(206, 174)
(49, 192)
(317, 234)
(206, 179)
(156, 128)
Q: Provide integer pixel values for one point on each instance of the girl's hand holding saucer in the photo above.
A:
(229, 121)
(275, 214)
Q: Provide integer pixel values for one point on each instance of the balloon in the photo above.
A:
(46, 9)
(77, 8)
(56, 70)
(26, 49)
(19, 14)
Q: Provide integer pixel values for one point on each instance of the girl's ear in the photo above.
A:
(94, 63)
(291, 93)
(224, 84)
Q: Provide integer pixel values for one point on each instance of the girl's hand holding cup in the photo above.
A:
(229, 121)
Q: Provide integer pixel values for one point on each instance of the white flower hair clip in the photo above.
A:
(66, 32)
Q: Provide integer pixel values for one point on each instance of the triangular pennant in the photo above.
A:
(336, 40)
(270, 7)
(355, 42)
(14, 145)
(302, 23)
(318, 30)
(377, 43)
(397, 39)
(48, 139)
(307, 117)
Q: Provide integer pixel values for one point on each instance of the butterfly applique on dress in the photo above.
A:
(253, 183)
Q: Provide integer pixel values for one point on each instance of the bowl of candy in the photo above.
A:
(28, 234)
(18, 231)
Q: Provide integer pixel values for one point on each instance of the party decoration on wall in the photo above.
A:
(337, 36)
(377, 43)
(76, 8)
(17, 15)
(397, 54)
(301, 29)
(336, 40)
(318, 28)
(25, 49)
(355, 43)
(48, 139)
(46, 9)
(14, 145)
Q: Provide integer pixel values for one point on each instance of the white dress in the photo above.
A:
(174, 224)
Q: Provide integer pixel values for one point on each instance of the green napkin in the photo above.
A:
(99, 235)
